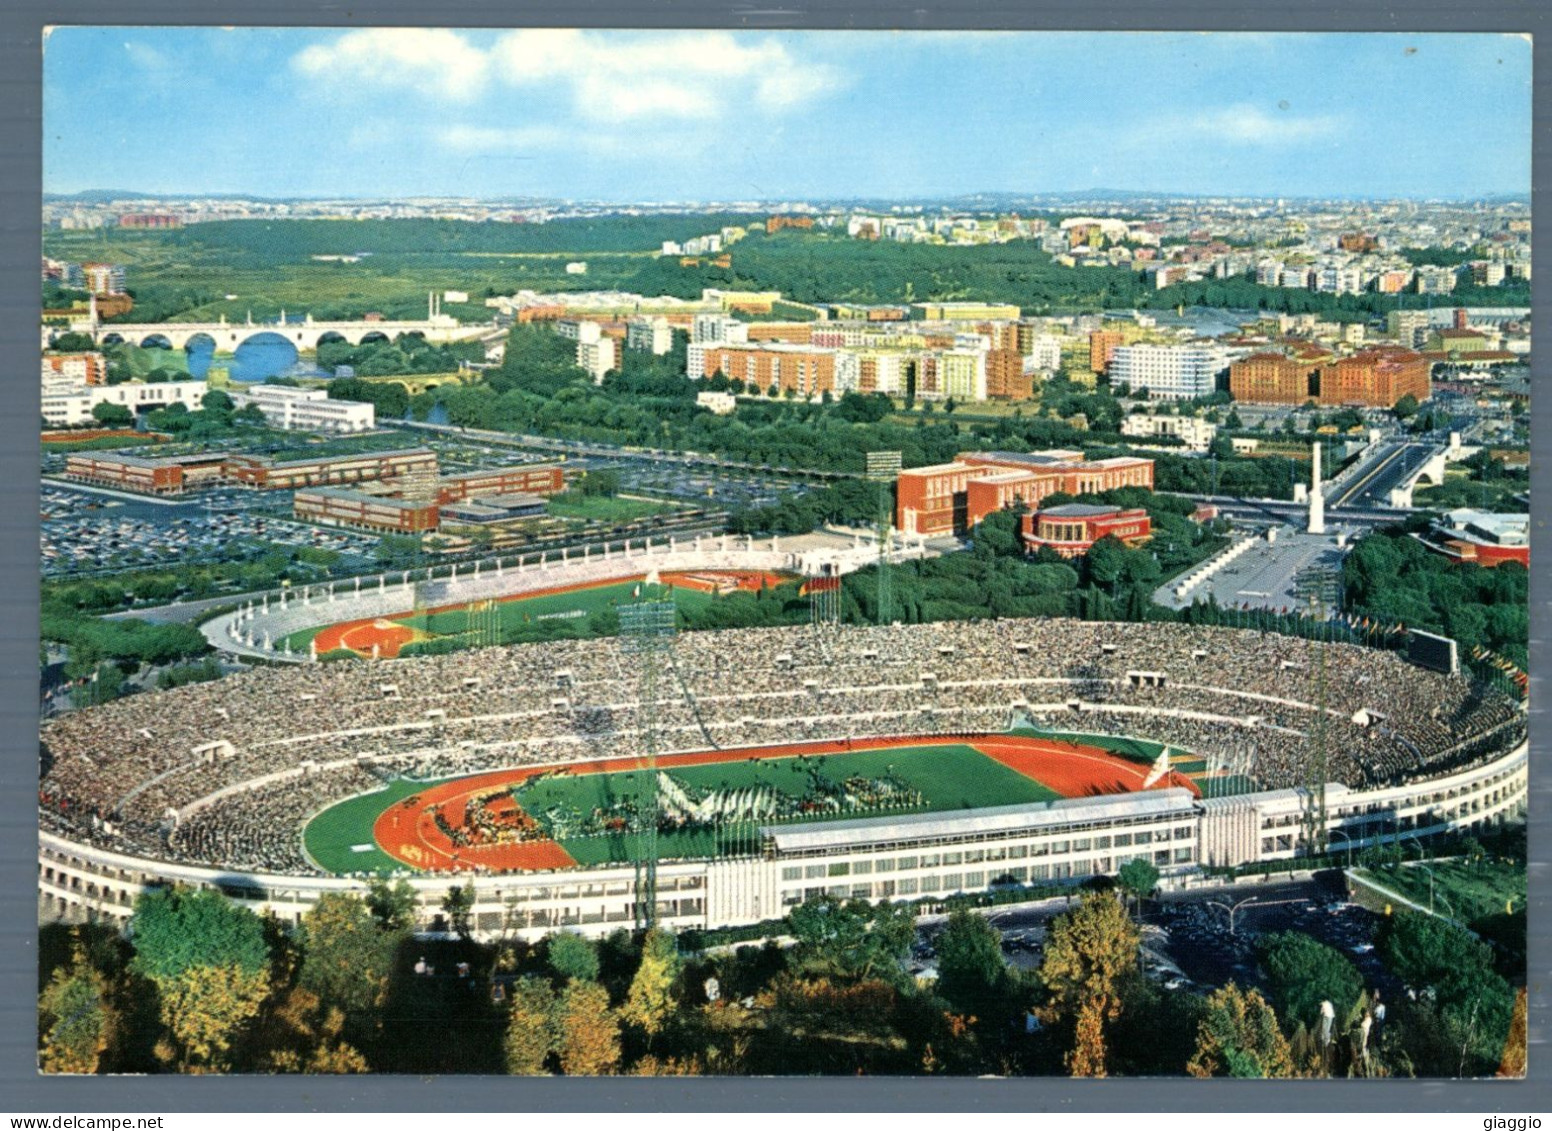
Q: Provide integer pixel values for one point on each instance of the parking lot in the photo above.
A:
(88, 533)
(722, 489)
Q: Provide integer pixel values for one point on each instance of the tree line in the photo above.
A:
(202, 985)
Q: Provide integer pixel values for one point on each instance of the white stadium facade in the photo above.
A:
(212, 784)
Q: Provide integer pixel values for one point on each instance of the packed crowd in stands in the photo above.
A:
(142, 774)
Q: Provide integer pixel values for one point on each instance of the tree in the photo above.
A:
(458, 906)
(1088, 951)
(1513, 1062)
(573, 957)
(604, 482)
(75, 1019)
(1446, 963)
(210, 963)
(205, 1008)
(1239, 1037)
(347, 957)
(1302, 973)
(215, 400)
(1139, 879)
(531, 1036)
(1405, 407)
(650, 1002)
(392, 905)
(851, 938)
(302, 1035)
(112, 415)
(972, 974)
(588, 1032)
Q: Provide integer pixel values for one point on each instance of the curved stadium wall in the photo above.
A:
(212, 784)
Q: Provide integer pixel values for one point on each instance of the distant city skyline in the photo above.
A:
(701, 116)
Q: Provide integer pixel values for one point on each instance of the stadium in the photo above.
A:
(908, 762)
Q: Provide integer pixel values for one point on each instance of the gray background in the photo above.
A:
(22, 1091)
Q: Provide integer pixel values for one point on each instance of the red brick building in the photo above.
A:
(1376, 378)
(526, 479)
(1102, 343)
(1372, 378)
(1274, 378)
(953, 497)
(334, 506)
(805, 372)
(161, 475)
(793, 333)
(267, 474)
(1005, 376)
(1071, 529)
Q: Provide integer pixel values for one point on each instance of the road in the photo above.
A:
(1279, 511)
(1372, 485)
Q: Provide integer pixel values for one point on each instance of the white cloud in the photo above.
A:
(1253, 126)
(1242, 124)
(148, 58)
(609, 76)
(434, 61)
(487, 139)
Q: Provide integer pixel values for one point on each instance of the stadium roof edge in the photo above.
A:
(1002, 818)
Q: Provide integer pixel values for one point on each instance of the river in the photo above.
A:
(261, 356)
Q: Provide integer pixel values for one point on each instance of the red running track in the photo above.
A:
(407, 831)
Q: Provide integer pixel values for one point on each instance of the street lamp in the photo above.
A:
(1347, 840)
(1232, 909)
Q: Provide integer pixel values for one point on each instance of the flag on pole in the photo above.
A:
(1160, 768)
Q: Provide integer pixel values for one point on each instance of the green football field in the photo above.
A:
(332, 837)
(573, 607)
(578, 604)
(948, 777)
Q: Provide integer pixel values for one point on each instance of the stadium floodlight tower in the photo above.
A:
(883, 469)
(647, 631)
(824, 602)
(1321, 587)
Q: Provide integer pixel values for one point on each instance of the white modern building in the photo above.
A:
(718, 329)
(653, 334)
(308, 410)
(596, 352)
(1168, 372)
(1194, 432)
(69, 404)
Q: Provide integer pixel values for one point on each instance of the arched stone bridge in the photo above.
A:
(304, 335)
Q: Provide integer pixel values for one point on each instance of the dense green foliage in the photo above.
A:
(1302, 972)
(405, 354)
(178, 929)
(1393, 579)
(1470, 1003)
(281, 241)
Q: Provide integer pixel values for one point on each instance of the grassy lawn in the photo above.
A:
(393, 283)
(102, 443)
(949, 777)
(331, 836)
(1461, 890)
(578, 604)
(602, 508)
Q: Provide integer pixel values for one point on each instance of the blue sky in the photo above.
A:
(709, 115)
